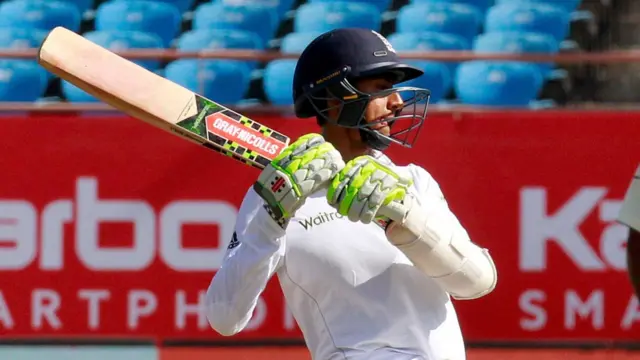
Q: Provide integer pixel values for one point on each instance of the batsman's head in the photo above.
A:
(348, 77)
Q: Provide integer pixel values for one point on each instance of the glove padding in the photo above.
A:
(365, 190)
(302, 168)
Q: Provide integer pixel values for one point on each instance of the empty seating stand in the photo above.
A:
(483, 26)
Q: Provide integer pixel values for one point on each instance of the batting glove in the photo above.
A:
(366, 190)
(302, 168)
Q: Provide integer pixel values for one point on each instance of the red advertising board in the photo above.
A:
(111, 228)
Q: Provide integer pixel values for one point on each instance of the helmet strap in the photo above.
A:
(373, 139)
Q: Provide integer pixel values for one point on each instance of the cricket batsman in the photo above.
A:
(630, 216)
(367, 252)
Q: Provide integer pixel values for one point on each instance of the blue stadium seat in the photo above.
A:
(39, 14)
(437, 78)
(22, 81)
(281, 6)
(203, 39)
(482, 5)
(502, 84)
(278, 81)
(323, 17)
(520, 43)
(82, 5)
(127, 40)
(21, 38)
(449, 18)
(528, 17)
(382, 5)
(568, 5)
(262, 20)
(76, 95)
(296, 42)
(430, 41)
(209, 39)
(223, 81)
(182, 5)
(154, 17)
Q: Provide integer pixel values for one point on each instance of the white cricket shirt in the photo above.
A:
(353, 294)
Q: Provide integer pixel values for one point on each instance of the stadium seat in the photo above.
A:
(528, 17)
(449, 18)
(21, 38)
(296, 42)
(568, 5)
(203, 39)
(82, 5)
(128, 40)
(482, 5)
(209, 39)
(22, 81)
(382, 5)
(224, 81)
(154, 17)
(501, 84)
(278, 81)
(323, 17)
(39, 14)
(437, 78)
(518, 42)
(430, 41)
(182, 5)
(262, 20)
(281, 6)
(75, 95)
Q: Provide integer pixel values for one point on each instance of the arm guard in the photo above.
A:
(439, 246)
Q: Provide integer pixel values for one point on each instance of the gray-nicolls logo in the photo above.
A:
(319, 219)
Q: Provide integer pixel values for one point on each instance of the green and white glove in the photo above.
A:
(302, 168)
(366, 190)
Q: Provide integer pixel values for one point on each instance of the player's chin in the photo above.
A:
(385, 130)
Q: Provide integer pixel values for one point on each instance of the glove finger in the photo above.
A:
(363, 209)
(355, 210)
(387, 182)
(298, 148)
(340, 184)
(325, 168)
(319, 170)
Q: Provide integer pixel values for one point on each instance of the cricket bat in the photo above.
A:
(156, 100)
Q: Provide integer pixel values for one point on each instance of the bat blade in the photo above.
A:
(156, 100)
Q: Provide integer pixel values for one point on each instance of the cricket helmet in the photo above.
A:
(329, 66)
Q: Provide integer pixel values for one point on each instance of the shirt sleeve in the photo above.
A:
(254, 254)
(430, 194)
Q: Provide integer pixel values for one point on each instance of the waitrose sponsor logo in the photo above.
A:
(319, 219)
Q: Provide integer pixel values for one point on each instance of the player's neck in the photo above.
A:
(346, 141)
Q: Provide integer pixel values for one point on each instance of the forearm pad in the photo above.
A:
(439, 246)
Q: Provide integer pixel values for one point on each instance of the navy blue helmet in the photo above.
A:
(327, 69)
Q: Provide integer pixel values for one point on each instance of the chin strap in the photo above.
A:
(373, 140)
